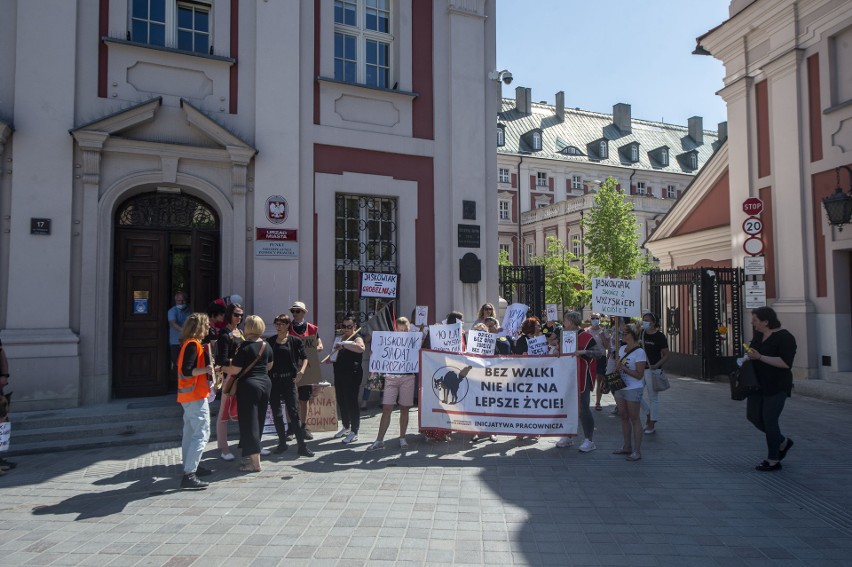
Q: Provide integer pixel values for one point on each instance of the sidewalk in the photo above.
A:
(694, 499)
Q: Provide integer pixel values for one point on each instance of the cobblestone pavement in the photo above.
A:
(694, 499)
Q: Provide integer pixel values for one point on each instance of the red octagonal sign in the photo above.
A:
(752, 206)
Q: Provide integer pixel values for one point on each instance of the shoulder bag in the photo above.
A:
(744, 381)
(614, 379)
(232, 391)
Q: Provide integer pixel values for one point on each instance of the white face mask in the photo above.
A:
(596, 322)
(646, 324)
(181, 307)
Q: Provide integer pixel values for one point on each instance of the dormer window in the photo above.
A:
(572, 151)
(536, 141)
(688, 160)
(664, 157)
(693, 160)
(501, 136)
(603, 149)
(634, 153)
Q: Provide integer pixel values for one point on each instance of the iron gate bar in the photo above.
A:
(523, 284)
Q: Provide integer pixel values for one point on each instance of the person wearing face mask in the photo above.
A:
(656, 347)
(602, 339)
(300, 328)
(178, 314)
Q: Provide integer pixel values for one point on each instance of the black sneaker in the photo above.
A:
(280, 448)
(766, 467)
(191, 482)
(7, 464)
(308, 434)
(305, 452)
(203, 471)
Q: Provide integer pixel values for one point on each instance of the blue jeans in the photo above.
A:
(196, 432)
(764, 412)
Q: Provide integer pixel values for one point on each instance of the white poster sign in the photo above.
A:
(519, 395)
(615, 297)
(569, 341)
(754, 265)
(552, 311)
(537, 346)
(446, 337)
(421, 315)
(395, 353)
(481, 342)
(5, 435)
(374, 284)
(269, 424)
(755, 294)
(512, 319)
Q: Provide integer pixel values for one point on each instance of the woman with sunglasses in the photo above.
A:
(230, 337)
(487, 310)
(348, 374)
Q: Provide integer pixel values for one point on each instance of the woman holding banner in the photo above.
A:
(602, 338)
(348, 374)
(631, 364)
(530, 331)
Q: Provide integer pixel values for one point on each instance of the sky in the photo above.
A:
(602, 52)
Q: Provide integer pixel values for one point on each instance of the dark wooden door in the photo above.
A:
(140, 324)
(204, 269)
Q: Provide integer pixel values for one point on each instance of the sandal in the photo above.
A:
(249, 469)
(634, 457)
(598, 407)
(622, 451)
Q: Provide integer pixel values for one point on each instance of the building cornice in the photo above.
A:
(685, 250)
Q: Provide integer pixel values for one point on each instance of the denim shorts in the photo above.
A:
(631, 395)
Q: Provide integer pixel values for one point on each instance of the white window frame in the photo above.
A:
(508, 249)
(671, 192)
(363, 36)
(664, 157)
(576, 245)
(541, 179)
(603, 149)
(536, 141)
(640, 188)
(634, 153)
(530, 251)
(576, 182)
(170, 8)
(503, 175)
(505, 210)
(693, 160)
(501, 137)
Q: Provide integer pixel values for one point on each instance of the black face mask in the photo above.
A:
(299, 327)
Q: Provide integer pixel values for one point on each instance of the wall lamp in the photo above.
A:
(838, 205)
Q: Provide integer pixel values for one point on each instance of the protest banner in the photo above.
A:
(512, 395)
(512, 319)
(376, 284)
(481, 342)
(5, 435)
(620, 298)
(322, 411)
(268, 424)
(551, 310)
(569, 341)
(312, 373)
(446, 337)
(537, 346)
(392, 352)
(421, 315)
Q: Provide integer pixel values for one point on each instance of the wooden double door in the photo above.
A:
(150, 266)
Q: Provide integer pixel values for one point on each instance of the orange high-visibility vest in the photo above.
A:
(192, 388)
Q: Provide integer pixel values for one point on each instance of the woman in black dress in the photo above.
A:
(290, 362)
(348, 374)
(253, 389)
(772, 351)
(229, 338)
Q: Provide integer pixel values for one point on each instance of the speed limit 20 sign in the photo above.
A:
(753, 226)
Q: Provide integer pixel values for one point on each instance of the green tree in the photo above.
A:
(563, 283)
(611, 237)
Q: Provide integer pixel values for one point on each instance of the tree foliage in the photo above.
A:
(611, 236)
(563, 283)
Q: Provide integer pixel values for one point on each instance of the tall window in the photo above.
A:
(503, 175)
(576, 182)
(603, 150)
(536, 141)
(576, 245)
(693, 160)
(505, 211)
(365, 241)
(501, 136)
(541, 179)
(362, 42)
(671, 192)
(640, 188)
(634, 153)
(508, 249)
(530, 252)
(179, 24)
(664, 157)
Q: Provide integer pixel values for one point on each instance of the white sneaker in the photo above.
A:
(587, 446)
(565, 442)
(403, 444)
(265, 452)
(350, 438)
(342, 433)
(226, 456)
(376, 445)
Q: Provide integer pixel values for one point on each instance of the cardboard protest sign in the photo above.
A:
(519, 395)
(569, 341)
(481, 342)
(621, 298)
(512, 319)
(395, 353)
(322, 410)
(421, 315)
(537, 346)
(551, 309)
(375, 284)
(446, 337)
(312, 373)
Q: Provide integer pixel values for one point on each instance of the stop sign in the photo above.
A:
(752, 206)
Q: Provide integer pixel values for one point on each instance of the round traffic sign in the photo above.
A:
(753, 246)
(753, 226)
(752, 206)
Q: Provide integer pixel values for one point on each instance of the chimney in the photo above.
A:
(523, 100)
(723, 131)
(696, 129)
(621, 117)
(560, 106)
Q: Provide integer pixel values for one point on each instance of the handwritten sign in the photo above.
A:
(537, 346)
(481, 342)
(421, 315)
(334, 350)
(569, 341)
(512, 319)
(395, 353)
(446, 337)
(312, 373)
(322, 411)
(552, 312)
(617, 297)
(374, 284)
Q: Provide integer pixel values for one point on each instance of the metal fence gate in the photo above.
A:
(701, 314)
(523, 284)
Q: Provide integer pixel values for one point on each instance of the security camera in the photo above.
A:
(503, 75)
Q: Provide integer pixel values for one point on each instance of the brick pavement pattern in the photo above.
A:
(694, 499)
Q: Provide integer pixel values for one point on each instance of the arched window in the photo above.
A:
(166, 210)
(603, 152)
(536, 141)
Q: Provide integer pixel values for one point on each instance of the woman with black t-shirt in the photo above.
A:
(772, 350)
(656, 347)
(229, 338)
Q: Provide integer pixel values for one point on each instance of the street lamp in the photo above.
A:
(838, 205)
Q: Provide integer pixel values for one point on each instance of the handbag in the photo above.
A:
(376, 382)
(614, 379)
(659, 381)
(232, 391)
(744, 381)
